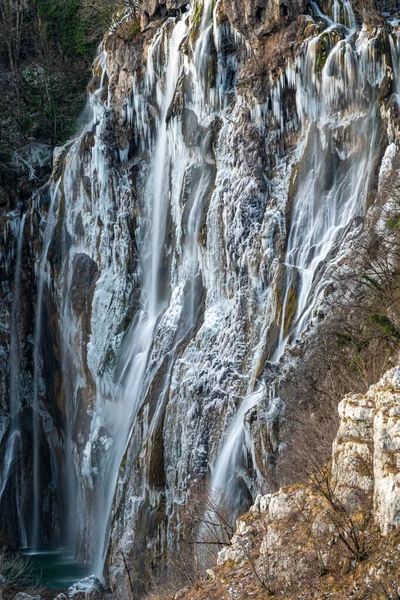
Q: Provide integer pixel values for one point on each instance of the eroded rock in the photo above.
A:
(89, 588)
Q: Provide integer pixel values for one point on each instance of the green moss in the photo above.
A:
(387, 326)
(320, 56)
(291, 307)
(134, 28)
(393, 222)
(197, 15)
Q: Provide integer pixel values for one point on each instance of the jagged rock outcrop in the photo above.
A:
(306, 539)
(353, 450)
(260, 18)
(386, 427)
(366, 450)
(89, 588)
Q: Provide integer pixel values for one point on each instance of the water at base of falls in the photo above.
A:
(55, 569)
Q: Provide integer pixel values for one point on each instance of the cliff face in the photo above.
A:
(196, 243)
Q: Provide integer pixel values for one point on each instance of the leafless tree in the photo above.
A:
(16, 571)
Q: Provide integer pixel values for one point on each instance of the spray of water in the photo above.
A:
(42, 280)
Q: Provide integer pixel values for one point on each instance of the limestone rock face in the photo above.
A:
(353, 449)
(366, 452)
(83, 280)
(387, 450)
(244, 161)
(153, 7)
(241, 544)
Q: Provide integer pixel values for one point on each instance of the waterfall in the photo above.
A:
(43, 280)
(13, 473)
(15, 341)
(334, 189)
(224, 476)
(133, 375)
(171, 164)
(194, 248)
(15, 433)
(394, 41)
(331, 192)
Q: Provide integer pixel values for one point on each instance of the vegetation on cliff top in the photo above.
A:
(46, 50)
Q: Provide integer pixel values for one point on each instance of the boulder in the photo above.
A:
(89, 588)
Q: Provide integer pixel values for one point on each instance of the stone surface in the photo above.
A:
(300, 525)
(387, 450)
(89, 588)
(261, 17)
(241, 545)
(252, 156)
(353, 450)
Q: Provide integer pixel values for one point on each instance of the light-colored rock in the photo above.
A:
(366, 451)
(261, 503)
(353, 450)
(210, 574)
(182, 593)
(387, 450)
(89, 588)
(241, 545)
(265, 502)
(285, 505)
(24, 596)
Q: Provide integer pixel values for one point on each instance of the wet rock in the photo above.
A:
(163, 8)
(89, 588)
(83, 281)
(190, 128)
(260, 17)
(4, 197)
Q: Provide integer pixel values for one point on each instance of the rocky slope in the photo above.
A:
(335, 536)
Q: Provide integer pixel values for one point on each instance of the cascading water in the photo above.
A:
(133, 377)
(43, 279)
(331, 191)
(192, 253)
(15, 342)
(15, 406)
(13, 459)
